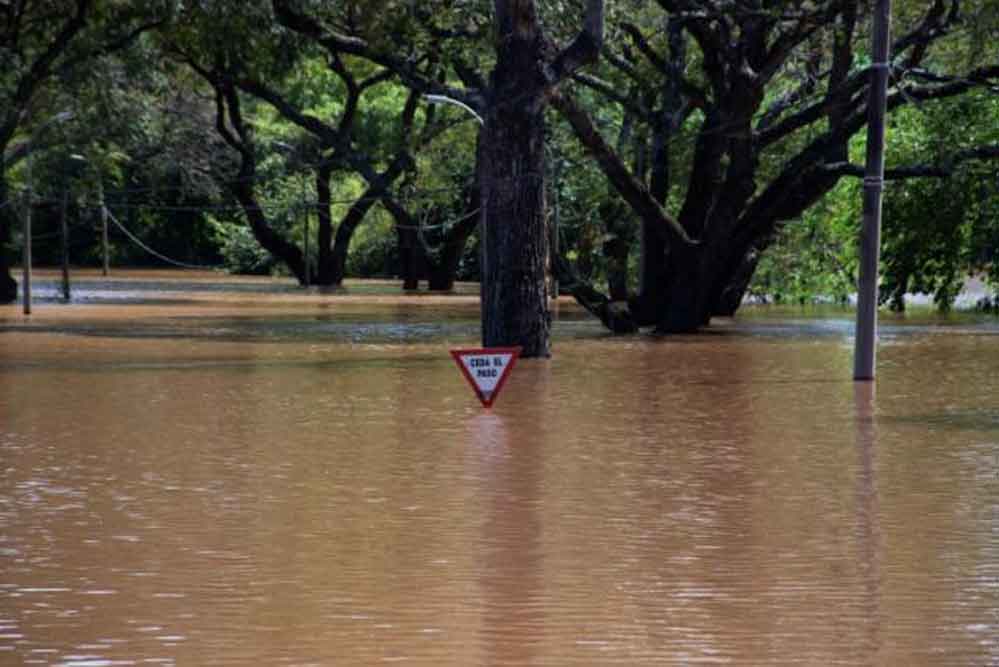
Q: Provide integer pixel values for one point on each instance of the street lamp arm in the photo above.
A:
(32, 145)
(444, 99)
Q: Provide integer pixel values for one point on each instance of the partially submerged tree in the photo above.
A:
(528, 66)
(770, 97)
(777, 92)
(40, 41)
(340, 102)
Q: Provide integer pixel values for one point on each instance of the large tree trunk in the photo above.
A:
(731, 286)
(413, 254)
(442, 274)
(333, 273)
(686, 293)
(412, 264)
(8, 286)
(515, 239)
(265, 235)
(616, 248)
(324, 230)
(514, 293)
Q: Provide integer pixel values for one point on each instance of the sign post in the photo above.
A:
(486, 369)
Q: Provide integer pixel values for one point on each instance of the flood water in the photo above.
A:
(208, 471)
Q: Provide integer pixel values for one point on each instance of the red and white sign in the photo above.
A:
(486, 369)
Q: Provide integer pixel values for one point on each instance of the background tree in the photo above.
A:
(42, 41)
(527, 67)
(778, 93)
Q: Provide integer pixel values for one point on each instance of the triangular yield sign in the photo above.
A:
(486, 369)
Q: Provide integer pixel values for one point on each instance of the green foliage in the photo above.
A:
(145, 125)
(936, 232)
(374, 251)
(240, 251)
(814, 259)
(939, 231)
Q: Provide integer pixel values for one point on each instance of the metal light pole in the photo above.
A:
(870, 237)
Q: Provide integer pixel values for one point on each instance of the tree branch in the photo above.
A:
(945, 168)
(584, 49)
(335, 42)
(629, 102)
(630, 188)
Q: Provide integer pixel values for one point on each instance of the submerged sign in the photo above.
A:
(486, 369)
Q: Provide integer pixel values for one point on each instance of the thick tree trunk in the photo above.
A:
(265, 235)
(616, 252)
(616, 248)
(8, 286)
(515, 236)
(514, 293)
(653, 247)
(333, 273)
(670, 117)
(687, 305)
(412, 264)
(324, 231)
(413, 253)
(731, 286)
(442, 274)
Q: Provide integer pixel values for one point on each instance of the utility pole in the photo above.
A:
(64, 238)
(556, 223)
(305, 223)
(870, 236)
(26, 278)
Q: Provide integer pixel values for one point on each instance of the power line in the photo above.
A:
(152, 252)
(308, 204)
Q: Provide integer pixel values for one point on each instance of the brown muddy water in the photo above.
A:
(212, 471)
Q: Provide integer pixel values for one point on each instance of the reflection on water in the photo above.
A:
(308, 480)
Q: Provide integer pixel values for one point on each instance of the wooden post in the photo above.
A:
(556, 223)
(26, 279)
(305, 222)
(870, 236)
(104, 228)
(64, 238)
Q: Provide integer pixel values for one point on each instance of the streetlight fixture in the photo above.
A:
(483, 254)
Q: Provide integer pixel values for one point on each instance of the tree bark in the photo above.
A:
(324, 228)
(334, 273)
(514, 293)
(443, 273)
(8, 286)
(265, 235)
(411, 258)
(515, 238)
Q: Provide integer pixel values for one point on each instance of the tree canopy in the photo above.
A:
(691, 152)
